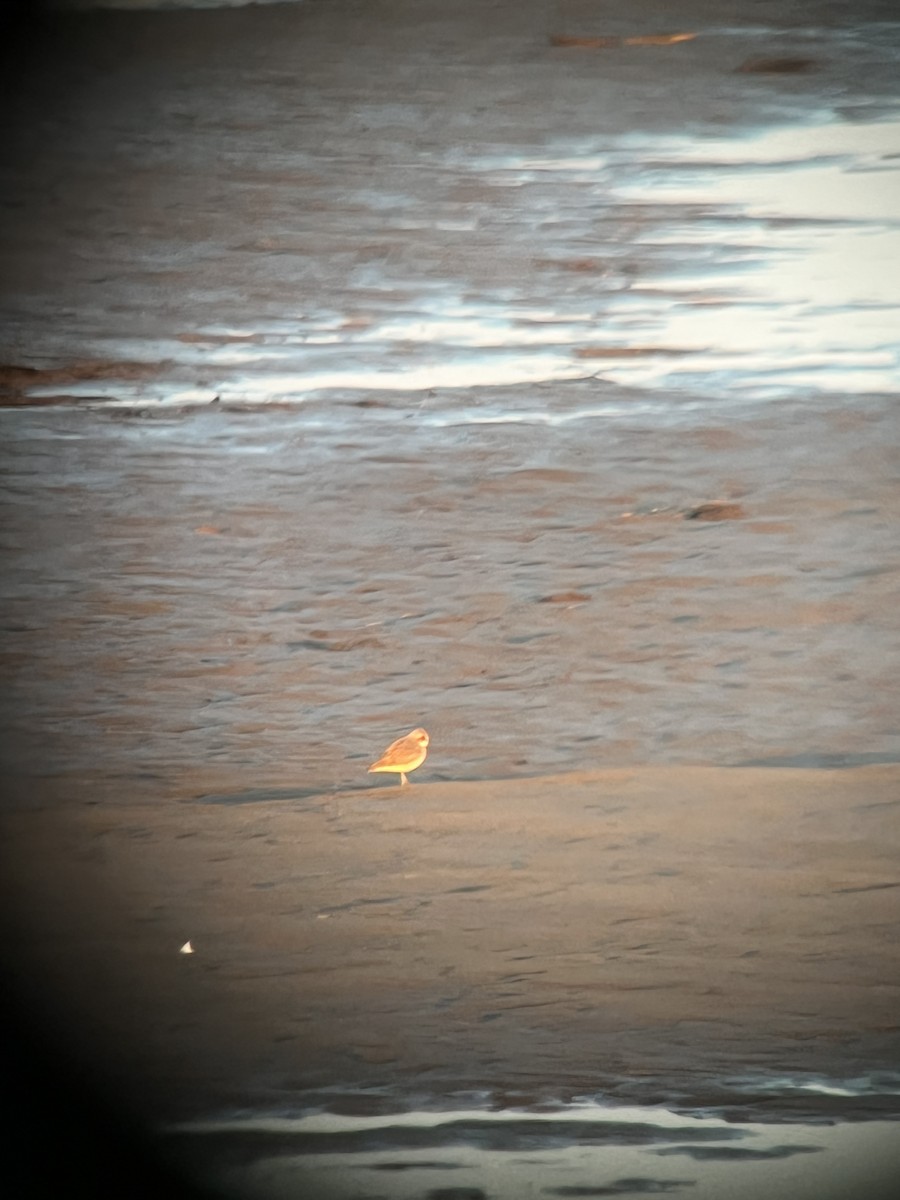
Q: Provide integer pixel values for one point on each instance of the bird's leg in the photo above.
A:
(404, 782)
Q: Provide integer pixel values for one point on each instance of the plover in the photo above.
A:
(404, 755)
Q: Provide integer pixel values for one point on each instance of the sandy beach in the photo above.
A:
(647, 928)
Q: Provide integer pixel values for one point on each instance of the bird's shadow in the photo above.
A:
(309, 799)
(267, 795)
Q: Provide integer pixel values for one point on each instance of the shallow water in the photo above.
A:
(581, 1149)
(483, 211)
(750, 266)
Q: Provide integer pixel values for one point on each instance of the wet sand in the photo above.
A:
(276, 595)
(641, 931)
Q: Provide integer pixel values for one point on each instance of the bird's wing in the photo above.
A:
(400, 751)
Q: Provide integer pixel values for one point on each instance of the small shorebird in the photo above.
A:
(404, 755)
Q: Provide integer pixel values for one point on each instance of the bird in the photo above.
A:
(404, 755)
